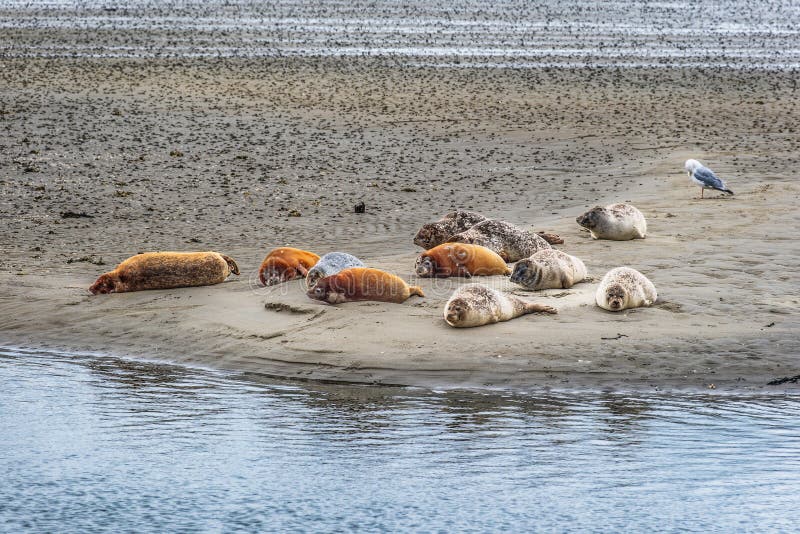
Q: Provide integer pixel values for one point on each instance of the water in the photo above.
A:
(92, 443)
(517, 33)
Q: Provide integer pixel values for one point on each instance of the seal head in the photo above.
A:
(456, 311)
(279, 270)
(526, 273)
(430, 235)
(425, 267)
(615, 297)
(105, 283)
(325, 290)
(589, 219)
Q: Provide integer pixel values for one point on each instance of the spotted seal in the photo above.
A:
(478, 305)
(549, 269)
(623, 288)
(330, 264)
(435, 233)
(618, 222)
(510, 242)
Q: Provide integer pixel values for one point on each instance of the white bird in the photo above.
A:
(704, 177)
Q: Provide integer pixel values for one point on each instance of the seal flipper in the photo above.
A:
(565, 281)
(462, 270)
(415, 290)
(231, 264)
(302, 271)
(531, 307)
(553, 239)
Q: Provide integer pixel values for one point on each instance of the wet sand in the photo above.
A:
(209, 154)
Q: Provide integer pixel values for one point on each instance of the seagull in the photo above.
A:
(704, 177)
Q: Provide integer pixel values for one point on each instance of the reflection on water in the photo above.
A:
(92, 443)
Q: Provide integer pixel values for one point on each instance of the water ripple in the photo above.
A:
(93, 443)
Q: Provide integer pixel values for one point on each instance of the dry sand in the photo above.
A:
(214, 154)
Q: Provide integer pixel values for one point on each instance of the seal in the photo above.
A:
(549, 269)
(618, 222)
(477, 305)
(284, 264)
(460, 259)
(166, 270)
(435, 233)
(510, 242)
(362, 283)
(623, 288)
(329, 264)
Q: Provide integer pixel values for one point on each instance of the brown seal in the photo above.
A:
(435, 233)
(478, 305)
(510, 242)
(460, 259)
(284, 264)
(362, 283)
(166, 270)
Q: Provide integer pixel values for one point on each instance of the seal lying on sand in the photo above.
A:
(329, 264)
(459, 259)
(435, 233)
(618, 222)
(362, 283)
(549, 269)
(477, 305)
(284, 264)
(166, 270)
(510, 242)
(624, 288)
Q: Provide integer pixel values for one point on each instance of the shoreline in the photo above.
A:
(530, 389)
(258, 139)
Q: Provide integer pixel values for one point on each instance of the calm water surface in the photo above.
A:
(91, 443)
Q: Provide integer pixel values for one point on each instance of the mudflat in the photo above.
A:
(104, 158)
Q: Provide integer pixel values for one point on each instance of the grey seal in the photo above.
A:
(330, 264)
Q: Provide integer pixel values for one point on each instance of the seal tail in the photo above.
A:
(530, 307)
(415, 290)
(231, 264)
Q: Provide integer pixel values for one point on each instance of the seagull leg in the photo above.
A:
(701, 192)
